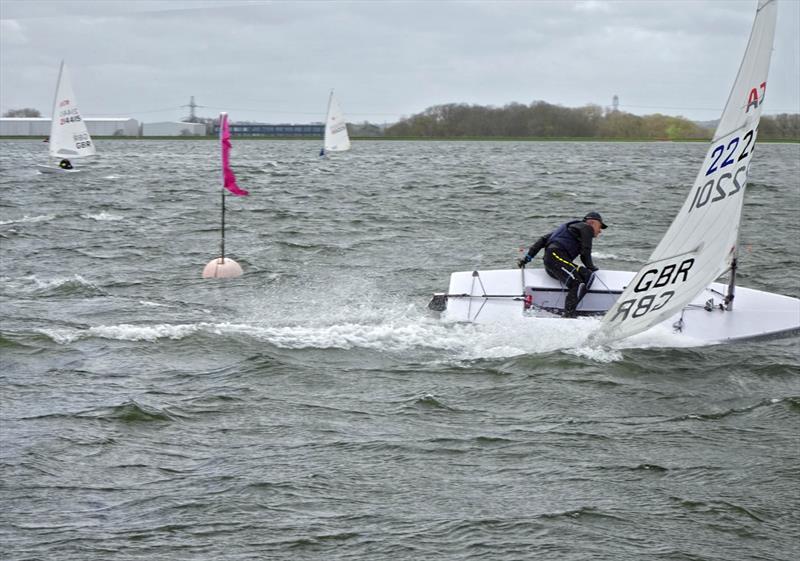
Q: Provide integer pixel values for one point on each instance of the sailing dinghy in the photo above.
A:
(69, 138)
(678, 288)
(336, 137)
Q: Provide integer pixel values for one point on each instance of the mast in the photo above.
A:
(327, 124)
(55, 97)
(54, 114)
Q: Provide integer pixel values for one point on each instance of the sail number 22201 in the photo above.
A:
(728, 183)
(730, 150)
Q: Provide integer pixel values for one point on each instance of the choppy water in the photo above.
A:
(313, 409)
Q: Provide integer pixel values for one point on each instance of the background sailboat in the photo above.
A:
(222, 266)
(336, 137)
(69, 138)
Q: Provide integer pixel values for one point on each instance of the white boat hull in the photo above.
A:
(497, 296)
(52, 169)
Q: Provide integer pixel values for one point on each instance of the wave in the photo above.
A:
(604, 257)
(342, 336)
(8, 344)
(29, 219)
(127, 412)
(133, 412)
(583, 512)
(717, 415)
(429, 401)
(150, 304)
(104, 217)
(721, 508)
(57, 286)
(596, 354)
(122, 332)
(654, 469)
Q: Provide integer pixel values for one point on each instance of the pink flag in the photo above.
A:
(228, 179)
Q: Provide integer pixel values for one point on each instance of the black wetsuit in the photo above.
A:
(561, 247)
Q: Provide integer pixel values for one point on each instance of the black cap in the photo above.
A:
(596, 216)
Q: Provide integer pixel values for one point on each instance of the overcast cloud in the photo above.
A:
(276, 61)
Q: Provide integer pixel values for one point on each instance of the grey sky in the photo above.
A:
(276, 61)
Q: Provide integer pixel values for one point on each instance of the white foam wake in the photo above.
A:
(459, 341)
(395, 332)
(29, 219)
(104, 217)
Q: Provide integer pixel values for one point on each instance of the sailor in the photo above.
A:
(65, 164)
(561, 247)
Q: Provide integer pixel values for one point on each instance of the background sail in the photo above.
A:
(700, 244)
(228, 178)
(68, 135)
(336, 137)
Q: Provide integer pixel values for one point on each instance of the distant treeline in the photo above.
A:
(785, 126)
(543, 120)
(540, 120)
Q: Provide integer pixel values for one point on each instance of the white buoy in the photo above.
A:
(222, 268)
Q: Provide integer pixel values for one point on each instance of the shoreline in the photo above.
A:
(414, 139)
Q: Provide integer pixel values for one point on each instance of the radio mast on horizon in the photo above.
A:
(192, 106)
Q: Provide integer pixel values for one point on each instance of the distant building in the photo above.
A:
(173, 128)
(24, 126)
(315, 130)
(39, 126)
(112, 126)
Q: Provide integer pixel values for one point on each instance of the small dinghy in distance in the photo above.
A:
(678, 288)
(69, 138)
(336, 137)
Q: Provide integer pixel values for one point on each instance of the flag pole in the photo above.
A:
(222, 191)
(221, 267)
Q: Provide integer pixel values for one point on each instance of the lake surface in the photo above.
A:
(315, 409)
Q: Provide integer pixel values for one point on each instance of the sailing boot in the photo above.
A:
(570, 304)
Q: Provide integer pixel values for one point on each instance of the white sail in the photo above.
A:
(68, 135)
(336, 138)
(700, 245)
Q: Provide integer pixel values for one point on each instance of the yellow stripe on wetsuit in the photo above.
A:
(570, 263)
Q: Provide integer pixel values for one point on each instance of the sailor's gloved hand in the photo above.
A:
(524, 261)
